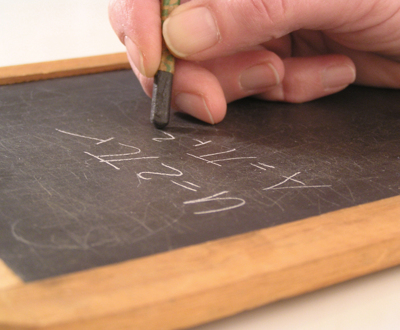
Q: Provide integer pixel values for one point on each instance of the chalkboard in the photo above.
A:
(86, 180)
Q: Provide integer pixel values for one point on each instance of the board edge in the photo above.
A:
(63, 68)
(216, 279)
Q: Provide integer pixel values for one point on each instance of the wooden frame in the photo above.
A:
(62, 68)
(205, 282)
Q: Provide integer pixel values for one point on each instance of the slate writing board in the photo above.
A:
(86, 180)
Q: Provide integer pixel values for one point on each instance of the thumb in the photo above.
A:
(204, 29)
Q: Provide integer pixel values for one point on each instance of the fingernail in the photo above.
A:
(135, 55)
(275, 94)
(194, 105)
(190, 31)
(338, 76)
(259, 77)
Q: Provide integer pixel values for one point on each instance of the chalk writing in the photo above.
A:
(177, 173)
(201, 143)
(85, 137)
(111, 158)
(214, 198)
(105, 158)
(291, 178)
(216, 161)
(262, 166)
(169, 138)
(192, 184)
(213, 203)
(186, 187)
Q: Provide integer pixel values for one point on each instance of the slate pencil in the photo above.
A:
(162, 88)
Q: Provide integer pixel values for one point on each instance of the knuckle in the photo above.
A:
(272, 11)
(263, 18)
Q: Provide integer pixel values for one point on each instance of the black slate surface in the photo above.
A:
(86, 180)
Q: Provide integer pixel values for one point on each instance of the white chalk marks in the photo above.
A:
(216, 161)
(115, 158)
(192, 188)
(100, 141)
(216, 198)
(201, 143)
(168, 138)
(110, 159)
(265, 176)
(174, 173)
(291, 178)
(262, 166)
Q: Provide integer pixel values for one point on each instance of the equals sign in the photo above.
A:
(189, 186)
(262, 166)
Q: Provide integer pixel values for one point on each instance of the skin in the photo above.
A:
(279, 50)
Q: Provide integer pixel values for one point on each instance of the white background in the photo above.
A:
(44, 30)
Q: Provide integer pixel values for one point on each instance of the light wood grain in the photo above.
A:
(7, 277)
(64, 68)
(208, 281)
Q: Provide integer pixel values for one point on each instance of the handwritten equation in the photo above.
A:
(218, 201)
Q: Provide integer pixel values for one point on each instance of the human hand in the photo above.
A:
(279, 50)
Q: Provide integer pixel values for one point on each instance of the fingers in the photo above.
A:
(386, 73)
(246, 73)
(203, 89)
(205, 29)
(138, 26)
(146, 82)
(372, 69)
(296, 80)
(197, 92)
(309, 78)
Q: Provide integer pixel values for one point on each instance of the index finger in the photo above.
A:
(138, 25)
